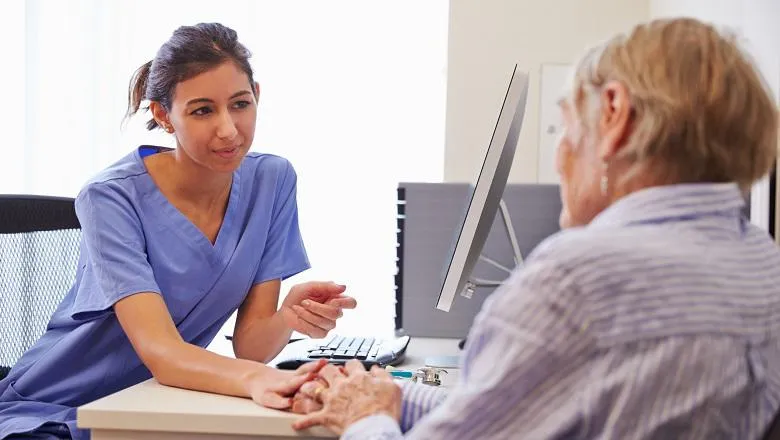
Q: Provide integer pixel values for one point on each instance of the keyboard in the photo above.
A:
(338, 349)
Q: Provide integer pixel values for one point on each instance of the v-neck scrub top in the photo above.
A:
(134, 240)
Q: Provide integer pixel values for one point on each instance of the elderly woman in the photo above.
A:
(655, 313)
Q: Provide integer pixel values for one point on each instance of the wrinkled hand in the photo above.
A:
(312, 308)
(275, 388)
(352, 394)
(303, 402)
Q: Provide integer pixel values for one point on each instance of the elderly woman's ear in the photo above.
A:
(615, 119)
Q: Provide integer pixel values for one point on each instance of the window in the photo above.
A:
(352, 92)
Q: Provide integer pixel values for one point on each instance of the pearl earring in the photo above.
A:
(604, 179)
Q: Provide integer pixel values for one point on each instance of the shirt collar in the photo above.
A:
(673, 202)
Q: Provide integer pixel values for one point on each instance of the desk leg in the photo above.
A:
(108, 434)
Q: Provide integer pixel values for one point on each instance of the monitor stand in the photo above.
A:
(473, 283)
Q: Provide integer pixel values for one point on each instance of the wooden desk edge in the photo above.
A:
(92, 417)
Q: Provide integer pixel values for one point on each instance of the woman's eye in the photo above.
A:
(201, 111)
(241, 104)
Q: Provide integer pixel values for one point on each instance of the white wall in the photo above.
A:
(757, 23)
(486, 38)
(13, 76)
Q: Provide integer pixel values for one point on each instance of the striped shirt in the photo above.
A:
(658, 320)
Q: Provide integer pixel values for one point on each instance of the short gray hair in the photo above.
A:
(702, 112)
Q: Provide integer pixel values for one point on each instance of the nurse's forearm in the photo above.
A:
(261, 339)
(191, 367)
(175, 362)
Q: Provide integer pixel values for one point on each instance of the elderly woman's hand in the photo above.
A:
(303, 404)
(352, 394)
(303, 401)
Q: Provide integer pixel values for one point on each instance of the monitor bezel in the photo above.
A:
(488, 190)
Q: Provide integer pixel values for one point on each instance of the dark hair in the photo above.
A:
(190, 51)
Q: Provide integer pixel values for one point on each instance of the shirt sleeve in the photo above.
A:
(378, 427)
(515, 379)
(418, 400)
(284, 254)
(116, 265)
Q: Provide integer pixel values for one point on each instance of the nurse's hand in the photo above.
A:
(312, 308)
(274, 388)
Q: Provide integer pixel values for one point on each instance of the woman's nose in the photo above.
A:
(226, 128)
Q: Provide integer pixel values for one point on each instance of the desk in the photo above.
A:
(152, 411)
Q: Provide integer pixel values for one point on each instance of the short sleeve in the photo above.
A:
(284, 254)
(113, 238)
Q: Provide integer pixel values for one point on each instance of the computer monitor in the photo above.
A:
(486, 197)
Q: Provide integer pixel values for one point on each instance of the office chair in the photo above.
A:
(39, 250)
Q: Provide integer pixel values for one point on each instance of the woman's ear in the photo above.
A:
(256, 89)
(160, 114)
(615, 119)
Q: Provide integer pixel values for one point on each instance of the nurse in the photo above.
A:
(174, 241)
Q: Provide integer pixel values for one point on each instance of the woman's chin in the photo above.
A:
(226, 166)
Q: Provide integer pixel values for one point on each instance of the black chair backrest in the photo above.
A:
(39, 250)
(29, 213)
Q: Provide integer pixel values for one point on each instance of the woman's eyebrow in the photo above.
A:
(208, 100)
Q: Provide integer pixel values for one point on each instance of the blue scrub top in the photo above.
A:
(134, 240)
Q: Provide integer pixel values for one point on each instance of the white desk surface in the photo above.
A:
(152, 411)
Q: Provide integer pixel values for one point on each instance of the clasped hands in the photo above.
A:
(328, 395)
(340, 396)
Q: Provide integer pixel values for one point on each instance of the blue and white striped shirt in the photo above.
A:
(659, 320)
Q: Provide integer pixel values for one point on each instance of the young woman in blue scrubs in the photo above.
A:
(175, 241)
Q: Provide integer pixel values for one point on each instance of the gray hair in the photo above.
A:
(701, 110)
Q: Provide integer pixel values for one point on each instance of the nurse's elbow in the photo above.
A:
(161, 361)
(166, 378)
(244, 350)
(240, 349)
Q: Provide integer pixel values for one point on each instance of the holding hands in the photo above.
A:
(312, 308)
(274, 388)
(340, 396)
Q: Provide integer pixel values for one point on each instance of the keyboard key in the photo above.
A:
(341, 355)
(367, 343)
(334, 344)
(320, 355)
(327, 342)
